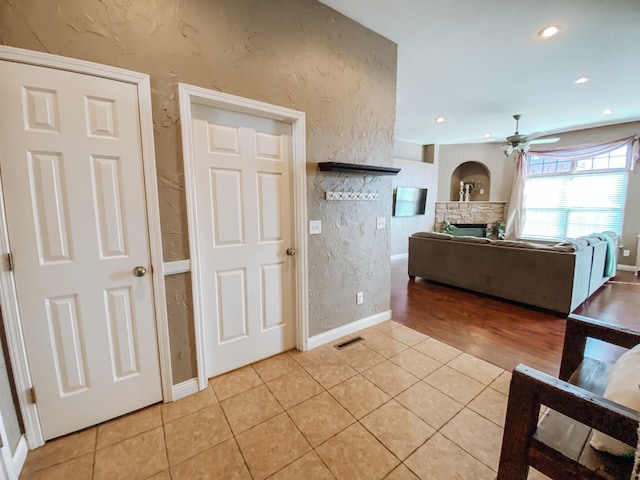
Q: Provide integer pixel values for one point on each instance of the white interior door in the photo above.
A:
(71, 169)
(243, 198)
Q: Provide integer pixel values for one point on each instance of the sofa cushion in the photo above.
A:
(469, 239)
(509, 243)
(439, 236)
(593, 239)
(623, 387)
(563, 247)
(578, 243)
(552, 248)
(529, 245)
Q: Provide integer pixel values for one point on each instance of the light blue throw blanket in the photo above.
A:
(610, 262)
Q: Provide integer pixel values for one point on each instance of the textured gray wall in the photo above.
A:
(295, 53)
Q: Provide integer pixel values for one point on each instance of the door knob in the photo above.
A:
(139, 271)
(291, 251)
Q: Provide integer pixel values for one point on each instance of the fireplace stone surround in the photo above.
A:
(468, 213)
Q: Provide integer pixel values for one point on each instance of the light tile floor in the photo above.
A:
(398, 406)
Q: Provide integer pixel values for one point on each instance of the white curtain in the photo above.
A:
(516, 212)
(590, 150)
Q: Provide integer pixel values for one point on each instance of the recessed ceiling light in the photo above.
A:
(549, 31)
(487, 135)
(582, 80)
(440, 120)
(607, 111)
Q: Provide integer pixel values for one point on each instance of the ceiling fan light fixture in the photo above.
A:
(607, 111)
(487, 135)
(520, 149)
(581, 80)
(439, 119)
(549, 31)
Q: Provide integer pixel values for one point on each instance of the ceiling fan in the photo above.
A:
(520, 143)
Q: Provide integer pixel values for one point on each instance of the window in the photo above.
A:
(567, 197)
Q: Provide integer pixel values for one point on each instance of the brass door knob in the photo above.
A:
(291, 251)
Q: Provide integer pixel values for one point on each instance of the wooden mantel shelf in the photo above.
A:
(356, 168)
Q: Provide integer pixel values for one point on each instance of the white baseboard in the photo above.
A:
(184, 389)
(400, 256)
(17, 462)
(336, 333)
(627, 268)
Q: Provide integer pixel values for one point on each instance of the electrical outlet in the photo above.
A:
(482, 191)
(359, 298)
(626, 253)
(315, 227)
(380, 223)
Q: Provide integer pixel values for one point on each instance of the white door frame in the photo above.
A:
(13, 327)
(191, 95)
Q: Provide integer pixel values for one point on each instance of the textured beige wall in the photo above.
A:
(500, 167)
(421, 175)
(295, 53)
(413, 159)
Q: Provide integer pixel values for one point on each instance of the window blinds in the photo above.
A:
(567, 206)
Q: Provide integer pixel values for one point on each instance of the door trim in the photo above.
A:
(13, 327)
(191, 95)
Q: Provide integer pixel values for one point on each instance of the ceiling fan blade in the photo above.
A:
(545, 140)
(535, 135)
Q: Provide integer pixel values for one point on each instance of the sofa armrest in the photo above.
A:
(579, 328)
(529, 390)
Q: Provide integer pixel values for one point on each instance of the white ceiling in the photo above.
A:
(478, 62)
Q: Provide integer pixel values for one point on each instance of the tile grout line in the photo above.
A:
(233, 435)
(314, 448)
(286, 412)
(95, 452)
(391, 397)
(166, 447)
(461, 447)
(466, 405)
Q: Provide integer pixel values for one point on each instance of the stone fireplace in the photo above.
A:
(469, 213)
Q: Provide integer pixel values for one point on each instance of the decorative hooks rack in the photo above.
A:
(350, 196)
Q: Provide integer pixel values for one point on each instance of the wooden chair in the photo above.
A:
(556, 440)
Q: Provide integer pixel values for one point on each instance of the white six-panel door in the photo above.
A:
(243, 195)
(72, 176)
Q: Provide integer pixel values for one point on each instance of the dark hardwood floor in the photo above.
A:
(502, 332)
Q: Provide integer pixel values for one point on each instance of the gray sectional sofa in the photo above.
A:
(554, 277)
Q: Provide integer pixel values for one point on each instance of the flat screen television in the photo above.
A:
(409, 201)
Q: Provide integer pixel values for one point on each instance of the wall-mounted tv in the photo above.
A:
(409, 201)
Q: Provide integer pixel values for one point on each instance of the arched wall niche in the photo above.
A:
(467, 172)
